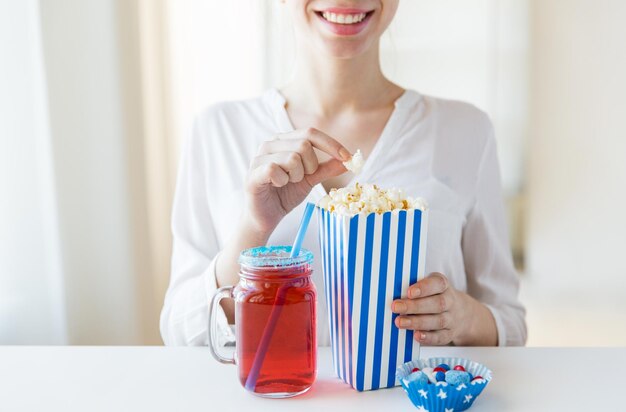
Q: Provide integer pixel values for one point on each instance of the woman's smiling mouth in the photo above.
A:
(345, 22)
(344, 18)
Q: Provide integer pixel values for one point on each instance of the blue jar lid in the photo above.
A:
(274, 256)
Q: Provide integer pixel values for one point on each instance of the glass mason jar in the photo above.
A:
(275, 317)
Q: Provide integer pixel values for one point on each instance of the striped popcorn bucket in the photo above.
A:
(368, 261)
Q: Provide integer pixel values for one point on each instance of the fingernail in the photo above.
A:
(399, 307)
(413, 293)
(422, 336)
(345, 155)
(404, 322)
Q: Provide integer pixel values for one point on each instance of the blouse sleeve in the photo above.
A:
(491, 275)
(195, 249)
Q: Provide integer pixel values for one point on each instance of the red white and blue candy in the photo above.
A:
(442, 373)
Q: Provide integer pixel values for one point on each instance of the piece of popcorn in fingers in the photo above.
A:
(355, 164)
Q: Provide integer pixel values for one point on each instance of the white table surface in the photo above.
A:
(188, 379)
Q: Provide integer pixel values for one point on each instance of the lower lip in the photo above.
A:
(346, 29)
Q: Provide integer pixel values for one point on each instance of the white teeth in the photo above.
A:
(344, 18)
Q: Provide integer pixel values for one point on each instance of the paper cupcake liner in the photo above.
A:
(442, 396)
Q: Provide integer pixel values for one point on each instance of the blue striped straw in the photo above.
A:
(278, 305)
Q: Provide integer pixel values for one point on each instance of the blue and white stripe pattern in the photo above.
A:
(368, 261)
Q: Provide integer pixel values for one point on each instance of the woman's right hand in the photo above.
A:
(281, 176)
(285, 170)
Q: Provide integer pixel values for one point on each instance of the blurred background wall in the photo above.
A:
(32, 302)
(576, 177)
(96, 97)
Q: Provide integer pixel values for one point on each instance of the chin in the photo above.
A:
(342, 49)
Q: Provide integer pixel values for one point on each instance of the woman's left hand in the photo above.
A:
(439, 314)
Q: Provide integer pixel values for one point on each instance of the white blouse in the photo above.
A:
(441, 150)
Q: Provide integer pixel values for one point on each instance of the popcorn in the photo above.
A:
(345, 218)
(355, 164)
(368, 198)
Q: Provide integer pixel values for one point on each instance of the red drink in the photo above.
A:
(275, 312)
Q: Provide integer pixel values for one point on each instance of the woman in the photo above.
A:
(250, 165)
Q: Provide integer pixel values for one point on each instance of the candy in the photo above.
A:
(430, 373)
(442, 373)
(440, 376)
(419, 377)
(443, 366)
(457, 377)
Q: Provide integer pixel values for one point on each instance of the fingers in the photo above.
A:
(425, 322)
(301, 146)
(291, 157)
(427, 310)
(434, 284)
(290, 162)
(328, 145)
(325, 171)
(434, 338)
(316, 138)
(428, 305)
(269, 173)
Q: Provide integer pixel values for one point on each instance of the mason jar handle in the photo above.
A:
(221, 293)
